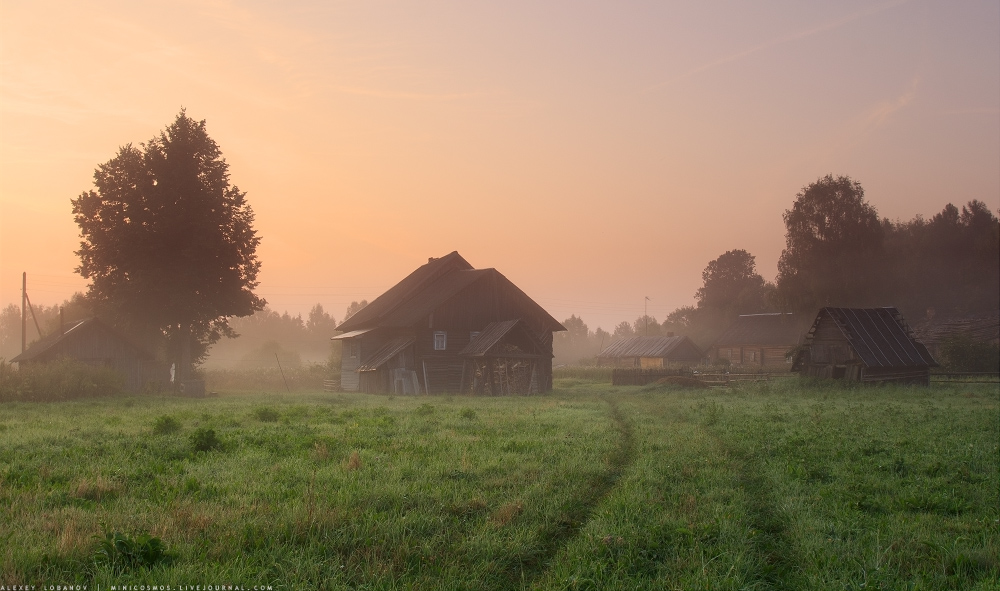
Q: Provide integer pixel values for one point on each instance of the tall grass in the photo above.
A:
(64, 379)
(302, 378)
(773, 485)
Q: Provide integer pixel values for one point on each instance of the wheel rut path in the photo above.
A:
(577, 510)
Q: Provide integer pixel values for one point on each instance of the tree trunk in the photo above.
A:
(184, 367)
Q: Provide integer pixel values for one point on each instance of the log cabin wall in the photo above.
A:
(445, 297)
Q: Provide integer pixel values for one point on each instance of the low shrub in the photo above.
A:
(266, 414)
(166, 425)
(964, 354)
(205, 440)
(63, 379)
(122, 553)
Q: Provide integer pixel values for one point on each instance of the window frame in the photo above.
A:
(440, 340)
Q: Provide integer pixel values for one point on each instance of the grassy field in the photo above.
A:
(776, 485)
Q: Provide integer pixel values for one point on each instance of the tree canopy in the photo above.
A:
(833, 243)
(732, 285)
(168, 243)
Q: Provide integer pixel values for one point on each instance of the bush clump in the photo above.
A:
(122, 553)
(205, 440)
(266, 414)
(63, 379)
(166, 425)
(964, 354)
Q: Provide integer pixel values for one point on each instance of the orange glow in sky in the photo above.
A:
(594, 152)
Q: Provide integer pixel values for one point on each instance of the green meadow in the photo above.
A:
(785, 484)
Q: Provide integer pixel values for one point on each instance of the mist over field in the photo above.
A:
(310, 295)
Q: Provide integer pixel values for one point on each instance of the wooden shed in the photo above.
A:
(761, 340)
(95, 343)
(863, 345)
(448, 327)
(650, 352)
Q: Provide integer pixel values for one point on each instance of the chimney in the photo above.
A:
(670, 334)
(62, 325)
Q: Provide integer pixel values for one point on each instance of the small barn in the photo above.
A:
(95, 343)
(650, 352)
(760, 340)
(448, 327)
(863, 345)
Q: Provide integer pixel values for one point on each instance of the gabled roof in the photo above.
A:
(494, 333)
(48, 342)
(879, 336)
(777, 328)
(423, 291)
(386, 352)
(404, 290)
(644, 347)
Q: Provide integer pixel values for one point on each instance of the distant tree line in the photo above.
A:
(838, 252)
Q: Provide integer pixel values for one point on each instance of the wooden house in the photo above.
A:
(935, 332)
(448, 327)
(650, 352)
(95, 343)
(758, 340)
(863, 345)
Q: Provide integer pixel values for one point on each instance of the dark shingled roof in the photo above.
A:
(40, 347)
(404, 290)
(386, 352)
(424, 290)
(762, 329)
(644, 347)
(879, 336)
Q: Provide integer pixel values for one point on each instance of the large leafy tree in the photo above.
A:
(168, 243)
(833, 247)
(732, 286)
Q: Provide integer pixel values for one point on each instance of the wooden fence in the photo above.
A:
(641, 377)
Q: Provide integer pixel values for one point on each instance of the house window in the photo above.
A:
(440, 340)
(751, 356)
(354, 350)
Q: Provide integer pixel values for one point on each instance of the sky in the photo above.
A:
(595, 153)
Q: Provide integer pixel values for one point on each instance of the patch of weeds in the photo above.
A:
(468, 414)
(321, 452)
(507, 513)
(165, 425)
(191, 485)
(266, 414)
(205, 440)
(424, 409)
(122, 553)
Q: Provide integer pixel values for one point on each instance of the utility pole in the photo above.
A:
(645, 314)
(24, 312)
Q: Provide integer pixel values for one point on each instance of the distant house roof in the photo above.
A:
(984, 328)
(427, 288)
(45, 344)
(879, 336)
(762, 329)
(645, 347)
